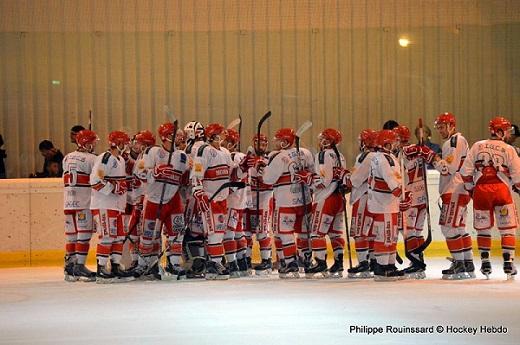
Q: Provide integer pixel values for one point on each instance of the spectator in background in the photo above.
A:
(515, 133)
(3, 156)
(427, 141)
(390, 124)
(73, 131)
(51, 155)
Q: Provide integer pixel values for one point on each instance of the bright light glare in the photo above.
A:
(404, 42)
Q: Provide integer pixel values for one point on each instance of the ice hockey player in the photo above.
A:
(77, 167)
(287, 171)
(361, 223)
(136, 180)
(412, 221)
(328, 216)
(108, 202)
(385, 200)
(163, 208)
(453, 196)
(235, 244)
(490, 172)
(211, 169)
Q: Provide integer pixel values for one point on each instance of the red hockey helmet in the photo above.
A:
(232, 136)
(117, 138)
(445, 118)
(332, 135)
(214, 129)
(165, 130)
(368, 138)
(499, 123)
(85, 137)
(145, 137)
(403, 133)
(386, 136)
(286, 134)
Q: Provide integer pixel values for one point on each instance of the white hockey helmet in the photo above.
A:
(194, 130)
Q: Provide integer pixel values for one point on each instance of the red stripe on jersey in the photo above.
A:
(217, 172)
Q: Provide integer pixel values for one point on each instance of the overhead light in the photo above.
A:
(404, 42)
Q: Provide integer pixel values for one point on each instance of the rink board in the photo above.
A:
(31, 223)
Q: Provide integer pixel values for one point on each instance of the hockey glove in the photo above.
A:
(303, 177)
(427, 154)
(406, 202)
(120, 187)
(247, 162)
(343, 176)
(411, 151)
(201, 198)
(260, 167)
(165, 173)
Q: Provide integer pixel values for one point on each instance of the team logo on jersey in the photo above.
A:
(197, 167)
(82, 217)
(100, 173)
(178, 221)
(504, 212)
(162, 154)
(221, 218)
(114, 164)
(397, 175)
(449, 159)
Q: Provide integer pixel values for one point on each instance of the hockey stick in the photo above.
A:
(90, 120)
(257, 149)
(342, 191)
(234, 123)
(239, 131)
(304, 127)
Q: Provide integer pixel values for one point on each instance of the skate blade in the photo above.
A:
(235, 275)
(384, 279)
(456, 276)
(510, 276)
(87, 279)
(471, 275)
(292, 275)
(105, 280)
(335, 275)
(210, 276)
(319, 275)
(263, 273)
(172, 277)
(70, 279)
(415, 275)
(361, 275)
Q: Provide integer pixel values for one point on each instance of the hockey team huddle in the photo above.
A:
(208, 200)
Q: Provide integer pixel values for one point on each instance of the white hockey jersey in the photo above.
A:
(280, 173)
(266, 190)
(359, 176)
(213, 167)
(325, 161)
(136, 186)
(413, 179)
(454, 151)
(158, 155)
(385, 176)
(492, 161)
(238, 199)
(107, 168)
(77, 167)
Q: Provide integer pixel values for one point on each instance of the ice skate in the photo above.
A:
(336, 270)
(289, 271)
(81, 272)
(216, 271)
(361, 271)
(383, 274)
(243, 267)
(470, 269)
(264, 268)
(392, 271)
(174, 272)
(234, 271)
(318, 270)
(414, 272)
(103, 276)
(457, 271)
(509, 267)
(485, 267)
(197, 269)
(121, 275)
(68, 270)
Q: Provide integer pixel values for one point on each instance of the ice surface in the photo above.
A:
(38, 307)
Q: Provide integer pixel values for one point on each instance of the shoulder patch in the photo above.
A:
(272, 157)
(321, 157)
(106, 157)
(201, 150)
(390, 160)
(362, 157)
(453, 141)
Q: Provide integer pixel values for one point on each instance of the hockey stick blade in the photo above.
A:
(232, 184)
(303, 128)
(234, 123)
(263, 119)
(169, 114)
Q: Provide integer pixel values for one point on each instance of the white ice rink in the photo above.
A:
(38, 307)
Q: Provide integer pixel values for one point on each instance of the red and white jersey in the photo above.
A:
(158, 155)
(212, 167)
(413, 179)
(238, 199)
(107, 168)
(280, 173)
(385, 176)
(454, 152)
(359, 176)
(134, 184)
(325, 161)
(492, 161)
(77, 167)
(266, 190)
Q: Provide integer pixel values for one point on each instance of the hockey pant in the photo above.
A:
(212, 224)
(361, 229)
(328, 218)
(235, 243)
(78, 231)
(288, 221)
(453, 225)
(109, 227)
(494, 202)
(261, 231)
(414, 222)
(171, 222)
(385, 243)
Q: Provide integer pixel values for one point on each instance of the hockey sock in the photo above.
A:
(215, 247)
(249, 240)
(241, 244)
(338, 244)
(362, 247)
(467, 247)
(508, 242)
(288, 247)
(264, 242)
(484, 241)
(230, 246)
(319, 247)
(117, 250)
(279, 248)
(82, 246)
(455, 246)
(302, 243)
